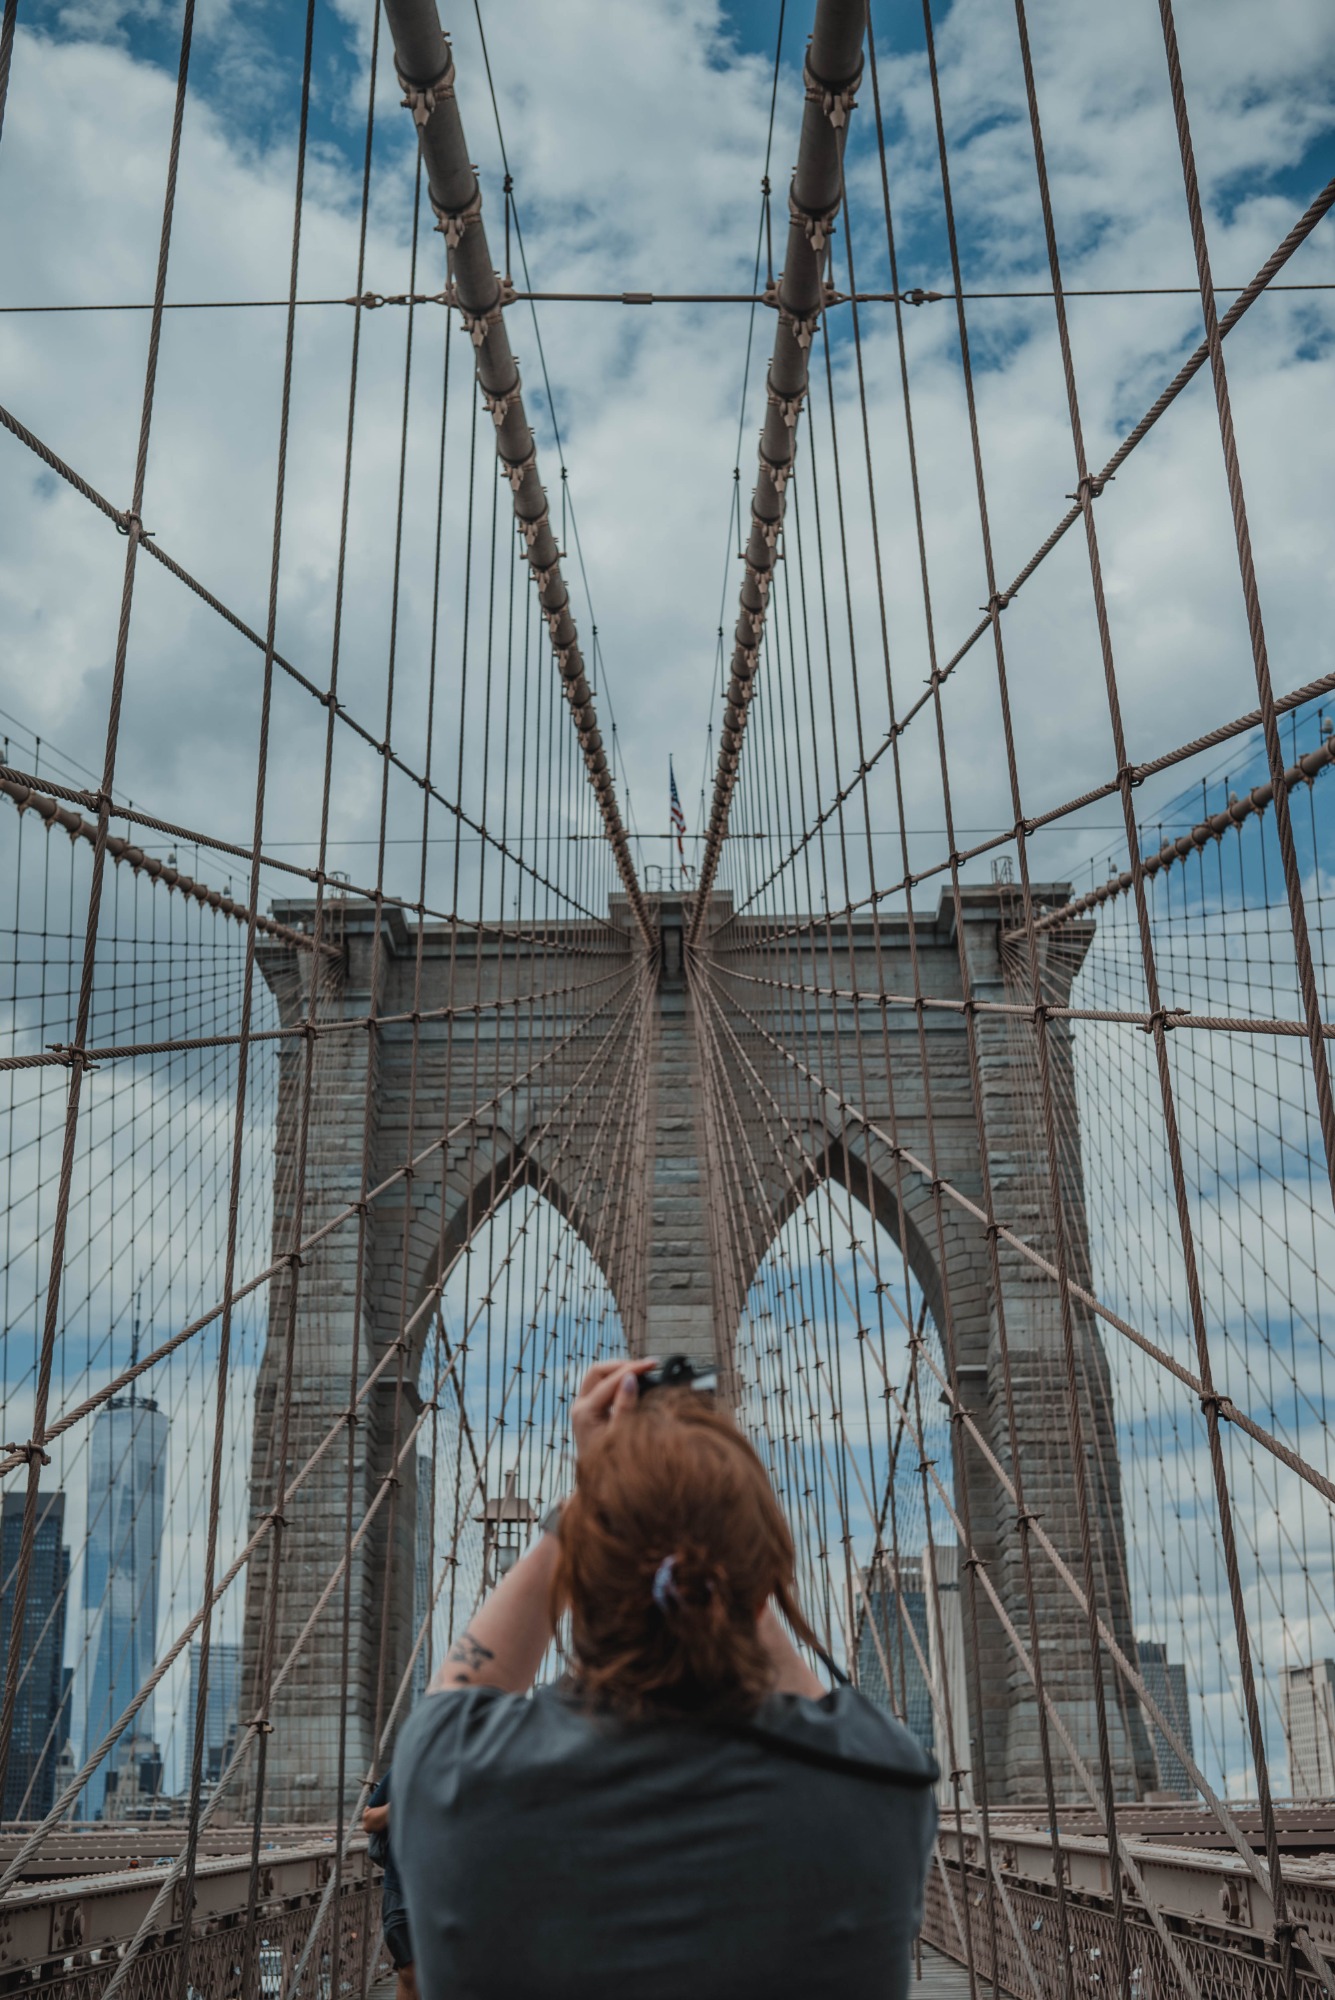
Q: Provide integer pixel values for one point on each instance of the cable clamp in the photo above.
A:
(817, 226)
(477, 325)
(780, 473)
(72, 1056)
(1212, 1400)
(790, 406)
(802, 325)
(517, 469)
(1089, 489)
(973, 1562)
(129, 523)
(28, 1452)
(836, 101)
(918, 297)
(530, 530)
(422, 98)
(499, 407)
(1162, 1017)
(294, 1260)
(996, 603)
(261, 1725)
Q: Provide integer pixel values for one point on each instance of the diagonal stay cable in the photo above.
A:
(348, 1212)
(425, 68)
(1228, 1410)
(1296, 236)
(831, 73)
(33, 1841)
(123, 521)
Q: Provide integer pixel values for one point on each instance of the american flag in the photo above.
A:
(678, 817)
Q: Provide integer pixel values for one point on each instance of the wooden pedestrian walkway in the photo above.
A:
(941, 1978)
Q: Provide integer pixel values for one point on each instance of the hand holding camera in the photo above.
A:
(611, 1387)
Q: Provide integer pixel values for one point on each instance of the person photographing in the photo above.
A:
(393, 1913)
(693, 1815)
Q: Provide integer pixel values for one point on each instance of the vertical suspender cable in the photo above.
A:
(424, 65)
(832, 72)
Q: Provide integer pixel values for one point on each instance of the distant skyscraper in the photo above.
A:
(222, 1709)
(1309, 1726)
(39, 1725)
(1167, 1681)
(422, 1578)
(945, 1626)
(882, 1645)
(127, 1471)
(928, 1602)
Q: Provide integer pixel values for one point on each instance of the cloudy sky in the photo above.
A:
(637, 137)
(637, 141)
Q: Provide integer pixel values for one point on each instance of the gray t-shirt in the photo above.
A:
(552, 1853)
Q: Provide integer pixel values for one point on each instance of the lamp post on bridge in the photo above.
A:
(505, 1525)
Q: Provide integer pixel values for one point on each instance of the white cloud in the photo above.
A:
(636, 136)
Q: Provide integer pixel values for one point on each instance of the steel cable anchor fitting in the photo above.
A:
(817, 225)
(421, 98)
(803, 326)
(836, 101)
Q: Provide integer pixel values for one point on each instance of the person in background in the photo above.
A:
(393, 1910)
(694, 1816)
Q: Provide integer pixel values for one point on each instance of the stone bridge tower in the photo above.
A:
(435, 1082)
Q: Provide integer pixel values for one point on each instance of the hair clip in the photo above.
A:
(665, 1592)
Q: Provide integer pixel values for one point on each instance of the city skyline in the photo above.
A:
(126, 1493)
(39, 1723)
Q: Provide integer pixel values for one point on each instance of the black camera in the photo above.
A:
(679, 1373)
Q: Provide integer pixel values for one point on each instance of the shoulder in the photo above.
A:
(847, 1733)
(455, 1717)
(477, 1729)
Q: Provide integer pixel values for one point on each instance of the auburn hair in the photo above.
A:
(671, 1546)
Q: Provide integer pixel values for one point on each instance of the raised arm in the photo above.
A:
(505, 1641)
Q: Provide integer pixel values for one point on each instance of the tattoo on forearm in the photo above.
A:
(470, 1652)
